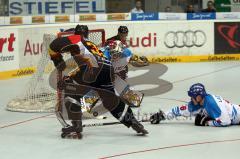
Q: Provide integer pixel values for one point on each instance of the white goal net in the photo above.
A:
(39, 96)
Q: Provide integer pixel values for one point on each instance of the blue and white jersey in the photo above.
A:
(187, 110)
(221, 111)
(120, 63)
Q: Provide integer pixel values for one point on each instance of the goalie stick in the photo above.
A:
(109, 123)
(58, 106)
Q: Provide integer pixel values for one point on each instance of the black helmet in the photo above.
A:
(82, 30)
(123, 29)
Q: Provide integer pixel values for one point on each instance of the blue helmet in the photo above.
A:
(197, 89)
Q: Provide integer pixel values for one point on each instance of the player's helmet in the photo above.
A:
(115, 49)
(197, 89)
(123, 30)
(82, 30)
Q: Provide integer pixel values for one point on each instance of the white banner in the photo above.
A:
(2, 21)
(30, 49)
(172, 38)
(172, 16)
(228, 15)
(9, 51)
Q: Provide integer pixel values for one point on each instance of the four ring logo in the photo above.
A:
(187, 38)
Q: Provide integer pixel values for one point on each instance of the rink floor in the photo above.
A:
(33, 135)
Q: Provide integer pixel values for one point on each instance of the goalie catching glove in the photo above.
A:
(139, 61)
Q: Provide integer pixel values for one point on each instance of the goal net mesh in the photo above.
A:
(38, 95)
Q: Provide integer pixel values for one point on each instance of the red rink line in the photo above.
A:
(169, 147)
(25, 121)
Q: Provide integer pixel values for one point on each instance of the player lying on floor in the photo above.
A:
(208, 109)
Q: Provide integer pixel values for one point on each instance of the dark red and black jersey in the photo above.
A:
(74, 44)
(114, 38)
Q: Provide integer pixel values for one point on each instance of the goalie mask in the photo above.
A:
(116, 49)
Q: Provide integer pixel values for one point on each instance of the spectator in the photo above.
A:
(189, 9)
(138, 7)
(210, 7)
(168, 9)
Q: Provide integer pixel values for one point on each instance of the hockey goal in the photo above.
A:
(39, 96)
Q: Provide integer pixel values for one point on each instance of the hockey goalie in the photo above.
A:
(120, 56)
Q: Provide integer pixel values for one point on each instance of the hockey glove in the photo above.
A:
(201, 119)
(157, 117)
(137, 61)
(62, 83)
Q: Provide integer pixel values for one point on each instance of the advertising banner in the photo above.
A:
(116, 16)
(228, 15)
(227, 5)
(172, 16)
(31, 43)
(38, 19)
(2, 20)
(227, 37)
(201, 16)
(169, 38)
(16, 20)
(160, 41)
(144, 16)
(87, 17)
(156, 39)
(36, 7)
(9, 49)
(62, 18)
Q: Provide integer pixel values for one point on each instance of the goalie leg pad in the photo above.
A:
(131, 97)
(73, 108)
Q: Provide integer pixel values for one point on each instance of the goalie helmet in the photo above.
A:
(115, 49)
(197, 89)
(82, 30)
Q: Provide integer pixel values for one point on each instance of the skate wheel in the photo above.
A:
(79, 135)
(95, 114)
(63, 135)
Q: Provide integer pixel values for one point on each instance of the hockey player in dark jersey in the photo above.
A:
(94, 73)
(121, 36)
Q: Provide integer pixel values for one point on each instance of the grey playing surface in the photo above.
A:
(33, 135)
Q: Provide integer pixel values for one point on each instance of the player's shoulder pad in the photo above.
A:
(106, 53)
(74, 38)
(211, 106)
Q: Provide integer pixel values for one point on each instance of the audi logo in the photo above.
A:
(189, 38)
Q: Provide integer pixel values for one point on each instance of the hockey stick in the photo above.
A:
(59, 102)
(109, 123)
